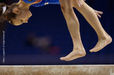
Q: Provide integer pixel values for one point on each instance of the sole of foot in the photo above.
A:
(75, 54)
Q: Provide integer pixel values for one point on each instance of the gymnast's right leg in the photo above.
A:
(74, 29)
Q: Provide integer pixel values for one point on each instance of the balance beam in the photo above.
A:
(58, 70)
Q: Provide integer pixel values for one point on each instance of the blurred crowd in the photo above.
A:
(42, 43)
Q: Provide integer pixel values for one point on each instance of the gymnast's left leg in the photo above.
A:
(74, 29)
(90, 15)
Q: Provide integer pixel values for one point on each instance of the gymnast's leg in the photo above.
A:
(74, 29)
(103, 38)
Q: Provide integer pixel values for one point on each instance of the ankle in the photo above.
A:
(105, 37)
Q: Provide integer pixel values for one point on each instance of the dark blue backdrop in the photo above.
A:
(49, 21)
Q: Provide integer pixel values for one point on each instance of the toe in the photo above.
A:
(91, 50)
(62, 58)
(66, 58)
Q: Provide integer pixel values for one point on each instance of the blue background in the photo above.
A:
(49, 21)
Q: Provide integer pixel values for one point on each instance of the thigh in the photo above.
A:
(75, 3)
(66, 6)
(66, 3)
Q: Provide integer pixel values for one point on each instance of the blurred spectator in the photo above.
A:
(43, 43)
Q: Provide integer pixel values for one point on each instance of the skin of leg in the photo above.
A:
(90, 15)
(74, 29)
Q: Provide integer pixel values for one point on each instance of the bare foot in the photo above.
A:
(77, 53)
(101, 44)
